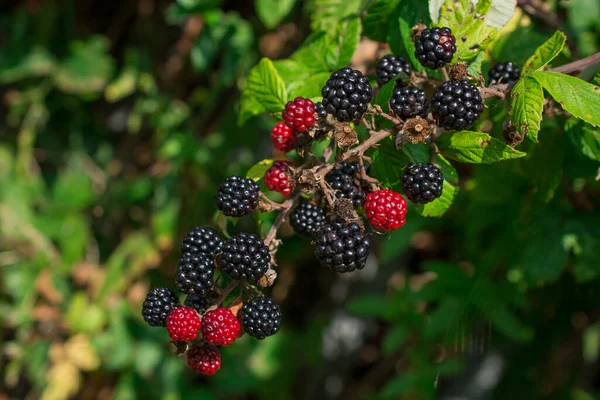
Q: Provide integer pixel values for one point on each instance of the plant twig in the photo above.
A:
(578, 65)
(445, 74)
(285, 210)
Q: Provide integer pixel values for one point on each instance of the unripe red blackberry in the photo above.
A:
(183, 324)
(283, 137)
(220, 327)
(158, 305)
(261, 317)
(422, 183)
(346, 95)
(435, 47)
(385, 209)
(245, 257)
(278, 177)
(237, 196)
(456, 105)
(389, 66)
(202, 240)
(204, 359)
(299, 114)
(342, 246)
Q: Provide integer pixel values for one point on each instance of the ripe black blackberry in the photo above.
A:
(409, 102)
(202, 240)
(244, 257)
(261, 317)
(435, 47)
(342, 246)
(198, 303)
(307, 219)
(389, 66)
(237, 196)
(505, 72)
(158, 305)
(320, 110)
(422, 183)
(194, 274)
(342, 178)
(456, 105)
(346, 94)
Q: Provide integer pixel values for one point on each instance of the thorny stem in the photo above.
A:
(286, 207)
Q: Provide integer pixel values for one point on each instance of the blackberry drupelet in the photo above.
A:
(194, 274)
(198, 303)
(183, 324)
(505, 72)
(342, 246)
(422, 183)
(204, 359)
(158, 305)
(320, 110)
(409, 102)
(346, 94)
(456, 105)
(283, 137)
(299, 114)
(278, 177)
(202, 240)
(220, 327)
(237, 196)
(386, 209)
(342, 179)
(389, 66)
(244, 257)
(307, 219)
(435, 47)
(261, 317)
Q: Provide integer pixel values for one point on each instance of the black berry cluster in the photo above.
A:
(346, 94)
(307, 219)
(237, 196)
(456, 105)
(195, 274)
(505, 72)
(435, 47)
(245, 257)
(343, 180)
(198, 303)
(158, 305)
(320, 111)
(203, 241)
(409, 102)
(422, 183)
(342, 247)
(261, 317)
(389, 66)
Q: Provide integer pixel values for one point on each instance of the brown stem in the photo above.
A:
(493, 91)
(445, 74)
(274, 205)
(226, 291)
(285, 210)
(578, 65)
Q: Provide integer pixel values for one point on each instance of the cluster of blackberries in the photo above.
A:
(243, 257)
(344, 179)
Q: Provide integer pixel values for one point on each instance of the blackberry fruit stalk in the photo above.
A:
(342, 246)
(245, 257)
(261, 317)
(342, 178)
(346, 94)
(505, 72)
(409, 102)
(307, 219)
(389, 66)
(158, 305)
(202, 241)
(456, 105)
(194, 274)
(237, 196)
(435, 47)
(422, 183)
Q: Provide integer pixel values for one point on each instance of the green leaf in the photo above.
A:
(527, 104)
(388, 163)
(421, 153)
(545, 164)
(372, 306)
(544, 257)
(384, 94)
(264, 91)
(377, 21)
(394, 338)
(328, 51)
(407, 14)
(545, 53)
(257, 171)
(326, 15)
(475, 147)
(580, 98)
(585, 138)
(36, 62)
(87, 69)
(272, 12)
(501, 12)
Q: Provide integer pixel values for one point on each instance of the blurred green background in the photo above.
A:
(118, 120)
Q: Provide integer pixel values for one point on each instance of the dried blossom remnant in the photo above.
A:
(416, 130)
(344, 209)
(512, 137)
(307, 181)
(268, 278)
(458, 71)
(344, 135)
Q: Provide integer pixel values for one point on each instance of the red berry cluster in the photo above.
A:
(278, 177)
(385, 209)
(298, 116)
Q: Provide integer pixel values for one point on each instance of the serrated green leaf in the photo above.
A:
(527, 104)
(272, 12)
(501, 12)
(580, 98)
(585, 138)
(384, 94)
(545, 53)
(327, 14)
(264, 91)
(388, 163)
(406, 15)
(421, 153)
(257, 171)
(475, 147)
(309, 87)
(377, 21)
